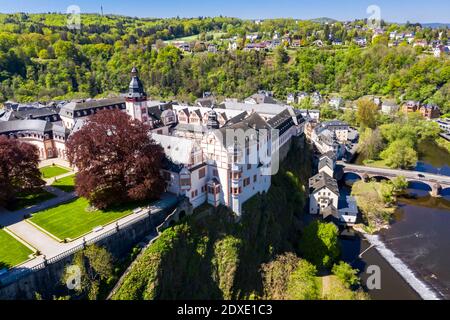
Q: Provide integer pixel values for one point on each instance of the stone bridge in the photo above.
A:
(435, 182)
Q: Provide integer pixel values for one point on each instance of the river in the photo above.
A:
(419, 236)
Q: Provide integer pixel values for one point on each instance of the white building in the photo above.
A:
(223, 155)
(212, 48)
(316, 99)
(347, 210)
(82, 109)
(336, 102)
(48, 137)
(331, 136)
(324, 193)
(389, 107)
(261, 97)
(444, 124)
(327, 164)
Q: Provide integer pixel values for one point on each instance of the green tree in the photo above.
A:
(400, 155)
(346, 274)
(370, 143)
(371, 200)
(302, 283)
(94, 265)
(281, 56)
(366, 115)
(319, 244)
(399, 184)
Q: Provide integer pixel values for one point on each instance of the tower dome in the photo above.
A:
(136, 89)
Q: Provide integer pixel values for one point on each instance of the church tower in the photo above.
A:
(136, 98)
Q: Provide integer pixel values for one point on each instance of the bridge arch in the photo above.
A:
(379, 178)
(419, 185)
(445, 192)
(351, 177)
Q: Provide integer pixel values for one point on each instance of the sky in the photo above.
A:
(424, 11)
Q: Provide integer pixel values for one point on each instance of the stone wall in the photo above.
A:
(47, 281)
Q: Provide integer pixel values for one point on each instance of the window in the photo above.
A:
(215, 173)
(185, 182)
(159, 132)
(201, 173)
(237, 175)
(249, 166)
(246, 182)
(194, 193)
(255, 178)
(236, 190)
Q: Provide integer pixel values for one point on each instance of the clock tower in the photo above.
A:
(136, 98)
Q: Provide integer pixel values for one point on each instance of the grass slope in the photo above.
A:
(12, 252)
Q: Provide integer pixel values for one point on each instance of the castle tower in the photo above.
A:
(212, 123)
(136, 98)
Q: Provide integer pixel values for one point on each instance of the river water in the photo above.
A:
(419, 237)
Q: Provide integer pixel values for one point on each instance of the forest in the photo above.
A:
(41, 60)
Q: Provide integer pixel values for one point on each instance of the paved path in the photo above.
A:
(57, 192)
(50, 181)
(54, 161)
(36, 238)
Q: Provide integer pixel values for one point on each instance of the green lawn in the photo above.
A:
(72, 220)
(52, 171)
(376, 164)
(216, 35)
(183, 39)
(27, 199)
(12, 252)
(66, 184)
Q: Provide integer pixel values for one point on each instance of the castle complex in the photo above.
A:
(215, 153)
